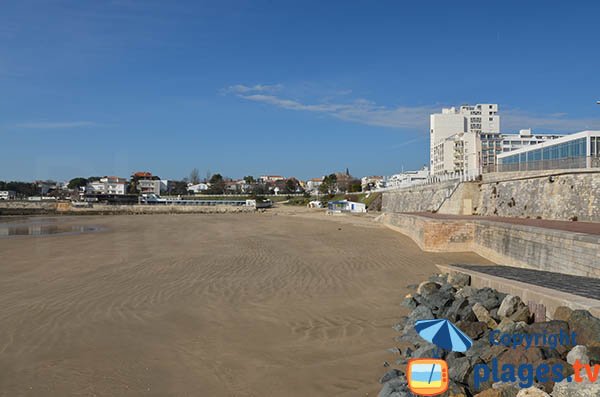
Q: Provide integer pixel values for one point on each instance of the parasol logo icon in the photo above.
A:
(427, 376)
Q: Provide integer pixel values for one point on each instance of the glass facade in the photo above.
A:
(571, 154)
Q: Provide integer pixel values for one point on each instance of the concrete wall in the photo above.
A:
(19, 207)
(433, 235)
(559, 195)
(65, 208)
(572, 195)
(537, 248)
(507, 244)
(425, 198)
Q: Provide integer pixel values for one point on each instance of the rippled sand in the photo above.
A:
(205, 305)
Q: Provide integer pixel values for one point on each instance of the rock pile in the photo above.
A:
(479, 313)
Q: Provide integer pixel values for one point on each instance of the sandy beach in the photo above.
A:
(275, 304)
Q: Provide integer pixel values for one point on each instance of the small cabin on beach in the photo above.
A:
(346, 206)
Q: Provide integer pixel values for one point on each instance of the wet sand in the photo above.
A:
(205, 305)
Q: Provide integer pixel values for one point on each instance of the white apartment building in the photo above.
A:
(107, 185)
(154, 186)
(458, 153)
(407, 178)
(523, 139)
(479, 121)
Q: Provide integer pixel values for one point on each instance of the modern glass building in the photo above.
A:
(579, 150)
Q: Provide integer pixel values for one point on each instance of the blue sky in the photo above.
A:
(299, 88)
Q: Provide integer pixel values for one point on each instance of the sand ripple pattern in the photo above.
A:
(219, 305)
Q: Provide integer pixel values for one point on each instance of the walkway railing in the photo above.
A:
(435, 179)
(540, 165)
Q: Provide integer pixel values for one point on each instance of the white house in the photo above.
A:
(372, 182)
(312, 185)
(345, 206)
(8, 195)
(155, 186)
(197, 188)
(107, 185)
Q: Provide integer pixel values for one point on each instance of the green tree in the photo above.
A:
(292, 185)
(217, 184)
(249, 180)
(78, 182)
(179, 187)
(329, 185)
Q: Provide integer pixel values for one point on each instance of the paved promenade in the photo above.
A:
(569, 226)
(587, 287)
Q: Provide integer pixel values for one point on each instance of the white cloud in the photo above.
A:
(244, 89)
(359, 111)
(55, 124)
(367, 112)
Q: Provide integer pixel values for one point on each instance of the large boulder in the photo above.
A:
(396, 387)
(409, 302)
(507, 389)
(509, 306)
(491, 393)
(556, 327)
(459, 280)
(594, 354)
(487, 297)
(586, 326)
(576, 389)
(459, 310)
(479, 348)
(474, 330)
(506, 326)
(566, 370)
(420, 313)
(438, 301)
(562, 313)
(427, 287)
(520, 355)
(425, 351)
(458, 369)
(465, 292)
(532, 392)
(578, 353)
(391, 374)
(483, 315)
(456, 390)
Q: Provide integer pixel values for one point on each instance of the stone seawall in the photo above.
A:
(557, 194)
(65, 208)
(508, 244)
(572, 195)
(17, 207)
(418, 198)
